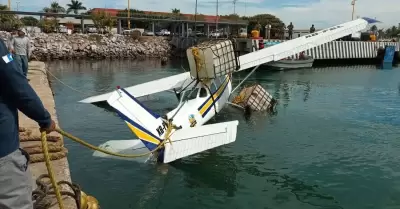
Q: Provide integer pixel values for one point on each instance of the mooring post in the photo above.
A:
(83, 24)
(183, 29)
(187, 30)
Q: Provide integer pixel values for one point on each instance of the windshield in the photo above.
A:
(189, 95)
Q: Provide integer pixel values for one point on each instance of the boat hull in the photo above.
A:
(290, 64)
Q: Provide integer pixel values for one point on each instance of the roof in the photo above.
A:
(74, 21)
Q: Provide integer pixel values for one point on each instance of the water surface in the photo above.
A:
(332, 144)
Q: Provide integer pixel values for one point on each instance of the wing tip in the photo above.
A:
(370, 20)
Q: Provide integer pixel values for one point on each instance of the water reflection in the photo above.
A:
(303, 192)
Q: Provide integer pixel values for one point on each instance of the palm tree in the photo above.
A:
(75, 6)
(176, 11)
(54, 8)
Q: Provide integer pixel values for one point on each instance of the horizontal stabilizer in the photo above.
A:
(189, 141)
(297, 45)
(144, 89)
(128, 147)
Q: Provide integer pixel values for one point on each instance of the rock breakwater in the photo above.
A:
(95, 46)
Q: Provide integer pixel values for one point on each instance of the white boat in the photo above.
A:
(291, 64)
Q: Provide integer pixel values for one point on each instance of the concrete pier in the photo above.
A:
(39, 81)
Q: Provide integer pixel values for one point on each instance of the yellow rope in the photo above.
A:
(239, 99)
(50, 170)
(197, 58)
(170, 127)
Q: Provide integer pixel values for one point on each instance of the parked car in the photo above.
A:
(91, 30)
(215, 34)
(148, 33)
(163, 32)
(197, 33)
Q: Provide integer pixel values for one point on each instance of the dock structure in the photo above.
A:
(344, 49)
(327, 51)
(38, 80)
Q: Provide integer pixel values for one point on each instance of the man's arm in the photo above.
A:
(16, 88)
(28, 47)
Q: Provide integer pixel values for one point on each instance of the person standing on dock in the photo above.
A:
(16, 94)
(20, 47)
(312, 29)
(290, 30)
(10, 38)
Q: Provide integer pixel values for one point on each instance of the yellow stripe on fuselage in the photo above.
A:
(143, 135)
(215, 96)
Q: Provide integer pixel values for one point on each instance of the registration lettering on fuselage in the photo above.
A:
(323, 31)
(162, 128)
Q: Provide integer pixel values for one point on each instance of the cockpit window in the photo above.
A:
(203, 92)
(189, 95)
(213, 88)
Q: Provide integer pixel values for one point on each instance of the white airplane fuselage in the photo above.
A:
(197, 106)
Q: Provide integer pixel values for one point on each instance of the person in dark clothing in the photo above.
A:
(16, 94)
(290, 30)
(312, 29)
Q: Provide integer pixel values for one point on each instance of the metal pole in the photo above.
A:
(129, 14)
(9, 5)
(245, 7)
(234, 6)
(195, 20)
(353, 3)
(248, 75)
(216, 22)
(18, 5)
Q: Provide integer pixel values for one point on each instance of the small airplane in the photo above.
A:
(201, 95)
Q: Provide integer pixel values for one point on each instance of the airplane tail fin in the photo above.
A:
(148, 126)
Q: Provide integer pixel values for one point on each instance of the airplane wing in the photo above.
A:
(292, 47)
(144, 89)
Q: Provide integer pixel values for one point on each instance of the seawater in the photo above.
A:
(333, 143)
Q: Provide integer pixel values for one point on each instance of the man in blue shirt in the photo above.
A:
(16, 94)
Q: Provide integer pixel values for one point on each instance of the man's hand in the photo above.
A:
(49, 129)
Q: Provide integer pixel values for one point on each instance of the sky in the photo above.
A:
(302, 13)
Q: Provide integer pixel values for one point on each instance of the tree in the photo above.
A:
(54, 8)
(133, 13)
(48, 25)
(388, 32)
(75, 6)
(29, 21)
(176, 11)
(277, 26)
(374, 28)
(103, 21)
(8, 22)
(51, 24)
(230, 17)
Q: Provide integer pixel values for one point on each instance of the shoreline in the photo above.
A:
(58, 46)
